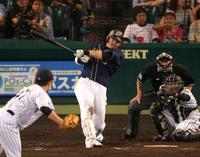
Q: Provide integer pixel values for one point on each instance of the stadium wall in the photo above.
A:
(122, 86)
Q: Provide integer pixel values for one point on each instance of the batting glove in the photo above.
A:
(81, 53)
(84, 59)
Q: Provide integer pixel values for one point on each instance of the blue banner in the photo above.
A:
(16, 74)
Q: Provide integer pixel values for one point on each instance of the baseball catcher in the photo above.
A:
(179, 107)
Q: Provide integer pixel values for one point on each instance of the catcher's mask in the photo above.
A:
(164, 62)
(173, 84)
(115, 34)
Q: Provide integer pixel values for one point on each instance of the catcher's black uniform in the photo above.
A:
(152, 72)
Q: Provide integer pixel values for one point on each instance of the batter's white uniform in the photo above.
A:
(138, 34)
(93, 108)
(20, 112)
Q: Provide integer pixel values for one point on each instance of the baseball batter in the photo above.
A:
(100, 63)
(24, 109)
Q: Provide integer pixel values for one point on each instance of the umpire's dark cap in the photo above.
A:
(43, 76)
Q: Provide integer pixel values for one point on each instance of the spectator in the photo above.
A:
(61, 19)
(19, 16)
(140, 32)
(42, 22)
(2, 20)
(183, 11)
(155, 8)
(168, 30)
(88, 9)
(194, 31)
(75, 15)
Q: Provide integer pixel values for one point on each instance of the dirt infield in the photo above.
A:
(43, 139)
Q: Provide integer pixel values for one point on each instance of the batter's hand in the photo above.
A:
(70, 121)
(80, 53)
(84, 59)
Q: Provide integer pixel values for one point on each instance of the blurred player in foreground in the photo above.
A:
(25, 108)
(100, 63)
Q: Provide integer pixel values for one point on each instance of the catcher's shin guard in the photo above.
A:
(159, 121)
(133, 123)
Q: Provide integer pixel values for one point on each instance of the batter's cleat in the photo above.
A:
(99, 137)
(94, 144)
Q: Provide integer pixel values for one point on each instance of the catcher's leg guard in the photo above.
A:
(159, 120)
(133, 122)
(90, 134)
(188, 135)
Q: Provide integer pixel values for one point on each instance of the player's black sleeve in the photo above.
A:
(46, 110)
(146, 72)
(185, 73)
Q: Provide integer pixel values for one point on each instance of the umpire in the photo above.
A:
(156, 71)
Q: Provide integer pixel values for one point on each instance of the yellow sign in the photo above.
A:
(135, 54)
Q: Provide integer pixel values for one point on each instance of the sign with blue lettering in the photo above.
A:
(16, 74)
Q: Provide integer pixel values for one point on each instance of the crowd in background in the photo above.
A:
(168, 21)
(59, 19)
(173, 21)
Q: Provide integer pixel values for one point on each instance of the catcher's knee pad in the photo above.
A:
(155, 110)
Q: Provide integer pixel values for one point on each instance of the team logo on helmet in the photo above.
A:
(118, 33)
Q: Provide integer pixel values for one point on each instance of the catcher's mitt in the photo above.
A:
(70, 121)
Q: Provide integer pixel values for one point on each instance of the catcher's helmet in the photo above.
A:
(43, 76)
(116, 34)
(174, 83)
(164, 62)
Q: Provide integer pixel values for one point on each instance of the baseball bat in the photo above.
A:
(46, 38)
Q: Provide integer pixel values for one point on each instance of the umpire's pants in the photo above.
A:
(134, 110)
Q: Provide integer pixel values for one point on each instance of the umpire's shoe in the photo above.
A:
(129, 134)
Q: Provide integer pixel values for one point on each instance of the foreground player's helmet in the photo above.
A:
(164, 62)
(43, 76)
(173, 84)
(116, 34)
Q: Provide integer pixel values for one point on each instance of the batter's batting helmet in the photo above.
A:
(116, 34)
(161, 59)
(43, 76)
